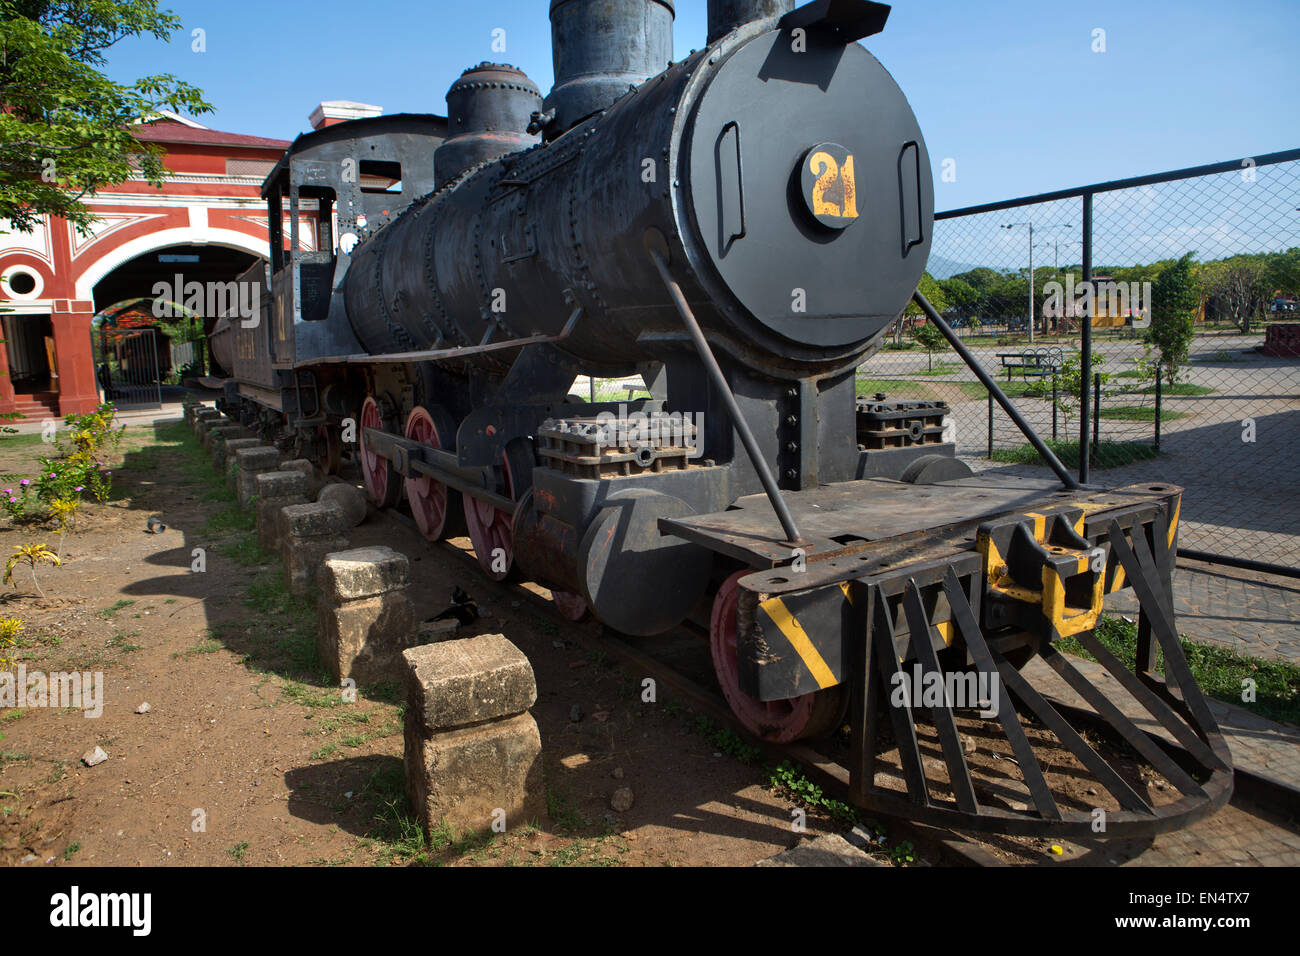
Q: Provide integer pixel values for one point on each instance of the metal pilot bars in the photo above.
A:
(899, 627)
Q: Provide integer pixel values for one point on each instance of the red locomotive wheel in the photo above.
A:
(428, 498)
(376, 471)
(491, 531)
(572, 607)
(780, 721)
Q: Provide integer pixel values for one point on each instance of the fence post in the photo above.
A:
(1085, 358)
(1096, 413)
(1053, 404)
(990, 454)
(1158, 395)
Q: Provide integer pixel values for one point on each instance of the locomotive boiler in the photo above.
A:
(738, 228)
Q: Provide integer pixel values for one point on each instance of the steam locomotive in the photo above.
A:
(739, 228)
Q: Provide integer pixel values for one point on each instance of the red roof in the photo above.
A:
(169, 131)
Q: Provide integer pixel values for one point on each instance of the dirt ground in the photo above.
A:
(247, 754)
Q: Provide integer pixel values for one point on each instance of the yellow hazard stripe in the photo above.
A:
(775, 609)
(1173, 522)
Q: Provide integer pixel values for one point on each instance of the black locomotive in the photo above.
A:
(738, 228)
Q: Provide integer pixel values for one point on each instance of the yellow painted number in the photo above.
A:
(828, 173)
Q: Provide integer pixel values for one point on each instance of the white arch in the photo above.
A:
(188, 236)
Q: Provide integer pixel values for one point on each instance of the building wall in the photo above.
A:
(202, 204)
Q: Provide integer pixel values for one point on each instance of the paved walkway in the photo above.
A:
(1251, 613)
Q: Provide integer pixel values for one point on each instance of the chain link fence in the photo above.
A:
(1186, 284)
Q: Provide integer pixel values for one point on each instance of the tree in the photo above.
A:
(961, 295)
(1175, 297)
(1239, 286)
(65, 128)
(931, 339)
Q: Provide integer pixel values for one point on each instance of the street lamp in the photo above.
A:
(1056, 270)
(1011, 225)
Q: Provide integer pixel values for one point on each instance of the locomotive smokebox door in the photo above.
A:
(810, 187)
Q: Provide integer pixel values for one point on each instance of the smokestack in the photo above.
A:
(601, 48)
(488, 110)
(726, 15)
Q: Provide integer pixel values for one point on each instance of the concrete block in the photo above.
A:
(363, 573)
(303, 557)
(364, 639)
(208, 420)
(275, 490)
(248, 463)
(315, 480)
(456, 683)
(464, 778)
(224, 431)
(223, 451)
(312, 520)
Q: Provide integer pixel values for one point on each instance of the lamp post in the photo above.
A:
(1011, 225)
(1056, 270)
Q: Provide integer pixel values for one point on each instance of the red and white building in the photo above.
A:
(207, 222)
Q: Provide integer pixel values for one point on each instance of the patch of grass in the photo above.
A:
(1140, 413)
(725, 740)
(1109, 454)
(325, 752)
(245, 551)
(941, 368)
(110, 611)
(238, 851)
(1041, 388)
(568, 818)
(228, 521)
(1180, 388)
(209, 646)
(789, 779)
(587, 852)
(893, 388)
(1220, 672)
(70, 851)
(307, 696)
(123, 641)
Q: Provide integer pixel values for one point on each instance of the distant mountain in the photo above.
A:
(942, 268)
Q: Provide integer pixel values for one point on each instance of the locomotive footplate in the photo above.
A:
(958, 585)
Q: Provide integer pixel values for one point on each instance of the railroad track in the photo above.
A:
(1259, 813)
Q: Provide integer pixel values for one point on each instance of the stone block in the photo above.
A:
(315, 480)
(363, 573)
(303, 557)
(364, 639)
(208, 420)
(275, 490)
(223, 432)
(312, 520)
(223, 452)
(248, 463)
(464, 778)
(456, 683)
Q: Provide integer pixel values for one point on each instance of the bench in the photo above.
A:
(1037, 363)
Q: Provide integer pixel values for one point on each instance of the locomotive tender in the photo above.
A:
(739, 228)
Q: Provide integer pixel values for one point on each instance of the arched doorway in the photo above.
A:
(145, 335)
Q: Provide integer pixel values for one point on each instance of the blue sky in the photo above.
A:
(1010, 90)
